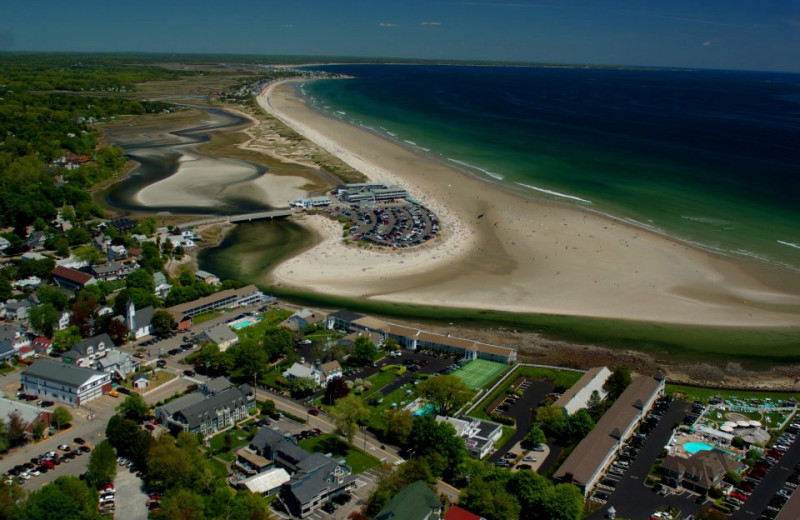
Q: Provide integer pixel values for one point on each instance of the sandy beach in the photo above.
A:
(522, 255)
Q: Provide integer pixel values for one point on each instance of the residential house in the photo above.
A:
(579, 394)
(11, 340)
(301, 319)
(101, 243)
(26, 352)
(479, 436)
(33, 255)
(279, 448)
(6, 351)
(215, 386)
(65, 383)
(30, 415)
(301, 370)
(700, 472)
(123, 225)
(329, 371)
(71, 278)
(4, 244)
(206, 277)
(220, 334)
(459, 513)
(753, 435)
(17, 310)
(42, 345)
(251, 463)
(341, 319)
(117, 252)
(63, 320)
(214, 413)
(162, 287)
(113, 270)
(117, 363)
(140, 322)
(415, 501)
(36, 239)
(86, 352)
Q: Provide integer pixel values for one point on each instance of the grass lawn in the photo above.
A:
(200, 318)
(157, 378)
(379, 380)
(399, 396)
(238, 438)
(274, 316)
(692, 393)
(218, 467)
(5, 368)
(337, 448)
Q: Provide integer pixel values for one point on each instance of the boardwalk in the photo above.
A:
(236, 219)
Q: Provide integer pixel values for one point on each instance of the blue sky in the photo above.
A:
(732, 34)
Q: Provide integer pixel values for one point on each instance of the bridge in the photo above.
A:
(237, 219)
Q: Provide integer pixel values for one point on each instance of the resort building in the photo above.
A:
(592, 456)
(207, 415)
(65, 383)
(700, 472)
(414, 339)
(373, 192)
(248, 295)
(71, 278)
(580, 393)
(220, 334)
(479, 436)
(415, 501)
(312, 202)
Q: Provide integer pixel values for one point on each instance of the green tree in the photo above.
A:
(398, 425)
(733, 477)
(64, 339)
(77, 236)
(53, 296)
(88, 254)
(580, 424)
(447, 393)
(5, 287)
(11, 501)
(129, 439)
(348, 413)
(43, 319)
(487, 495)
(180, 504)
(277, 342)
(102, 465)
(140, 279)
(61, 417)
(134, 408)
(151, 258)
(617, 382)
(439, 442)
(66, 498)
(535, 436)
(249, 359)
(364, 351)
(302, 386)
(15, 430)
(163, 322)
(553, 422)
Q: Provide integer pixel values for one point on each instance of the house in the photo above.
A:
(266, 483)
(63, 320)
(11, 340)
(112, 271)
(65, 383)
(71, 278)
(4, 244)
(36, 239)
(17, 310)
(30, 415)
(210, 414)
(329, 371)
(349, 341)
(117, 252)
(341, 319)
(26, 352)
(318, 479)
(215, 386)
(6, 351)
(587, 462)
(251, 463)
(700, 472)
(42, 345)
(479, 436)
(415, 501)
(86, 352)
(579, 394)
(162, 287)
(101, 243)
(248, 295)
(141, 383)
(117, 363)
(206, 277)
(458, 513)
(754, 435)
(300, 370)
(32, 255)
(31, 282)
(140, 322)
(301, 319)
(220, 334)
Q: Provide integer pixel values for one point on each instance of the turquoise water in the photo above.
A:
(694, 447)
(242, 324)
(711, 157)
(426, 409)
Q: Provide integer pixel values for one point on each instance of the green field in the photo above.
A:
(337, 448)
(694, 393)
(479, 372)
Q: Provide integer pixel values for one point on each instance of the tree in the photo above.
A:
(181, 504)
(302, 386)
(64, 339)
(439, 442)
(487, 495)
(277, 342)
(364, 351)
(16, 428)
(553, 422)
(102, 465)
(11, 501)
(539, 498)
(709, 513)
(61, 417)
(398, 425)
(140, 279)
(617, 382)
(88, 254)
(162, 322)
(348, 413)
(336, 389)
(268, 407)
(580, 424)
(129, 439)
(5, 287)
(447, 393)
(535, 436)
(733, 477)
(43, 319)
(134, 408)
(54, 296)
(66, 498)
(249, 358)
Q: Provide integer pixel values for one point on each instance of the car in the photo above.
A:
(161, 363)
(45, 404)
(538, 447)
(113, 393)
(84, 449)
(35, 472)
(529, 459)
(329, 507)
(313, 411)
(149, 427)
(502, 463)
(188, 373)
(524, 466)
(64, 447)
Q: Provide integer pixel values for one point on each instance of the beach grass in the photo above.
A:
(754, 347)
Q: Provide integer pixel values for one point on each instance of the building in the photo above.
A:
(36, 239)
(311, 202)
(341, 319)
(30, 415)
(298, 370)
(118, 364)
(71, 278)
(301, 319)
(317, 480)
(17, 310)
(329, 371)
(123, 225)
(266, 483)
(594, 453)
(42, 345)
(279, 448)
(458, 513)
(220, 334)
(86, 352)
(141, 383)
(112, 271)
(11, 340)
(580, 393)
(213, 413)
(415, 501)
(248, 295)
(65, 383)
(700, 472)
(754, 435)
(479, 436)
(206, 277)
(140, 322)
(374, 192)
(162, 287)
(251, 463)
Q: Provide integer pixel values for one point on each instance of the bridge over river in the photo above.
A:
(236, 219)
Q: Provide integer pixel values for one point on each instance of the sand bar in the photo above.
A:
(522, 255)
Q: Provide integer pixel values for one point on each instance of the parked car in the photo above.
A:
(313, 411)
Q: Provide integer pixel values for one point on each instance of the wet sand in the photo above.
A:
(521, 255)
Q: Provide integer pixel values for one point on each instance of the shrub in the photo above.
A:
(502, 419)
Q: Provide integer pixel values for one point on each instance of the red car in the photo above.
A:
(313, 411)
(149, 427)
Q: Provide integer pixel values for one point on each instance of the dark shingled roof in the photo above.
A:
(60, 373)
(197, 413)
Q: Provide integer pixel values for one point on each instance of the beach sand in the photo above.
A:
(522, 255)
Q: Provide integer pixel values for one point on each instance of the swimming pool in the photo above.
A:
(425, 409)
(694, 447)
(242, 324)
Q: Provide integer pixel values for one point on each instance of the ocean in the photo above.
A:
(710, 157)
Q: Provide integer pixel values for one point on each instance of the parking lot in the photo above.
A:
(400, 224)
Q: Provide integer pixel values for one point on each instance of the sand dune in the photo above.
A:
(524, 255)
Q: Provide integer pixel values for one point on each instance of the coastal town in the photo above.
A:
(141, 380)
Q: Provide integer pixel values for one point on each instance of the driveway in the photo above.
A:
(534, 392)
(131, 500)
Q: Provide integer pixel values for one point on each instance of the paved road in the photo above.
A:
(534, 393)
(130, 499)
(772, 482)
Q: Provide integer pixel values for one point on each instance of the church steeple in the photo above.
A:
(131, 317)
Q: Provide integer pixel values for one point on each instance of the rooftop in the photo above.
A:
(61, 373)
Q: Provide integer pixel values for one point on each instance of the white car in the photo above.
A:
(529, 459)
(25, 475)
(106, 498)
(64, 447)
(35, 473)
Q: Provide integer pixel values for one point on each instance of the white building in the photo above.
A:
(479, 436)
(64, 383)
(580, 393)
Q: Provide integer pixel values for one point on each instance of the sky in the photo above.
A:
(727, 34)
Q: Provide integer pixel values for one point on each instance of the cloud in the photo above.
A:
(387, 24)
(431, 23)
(706, 44)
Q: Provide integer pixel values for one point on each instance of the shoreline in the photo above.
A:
(573, 262)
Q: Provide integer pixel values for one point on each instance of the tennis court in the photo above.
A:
(479, 372)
